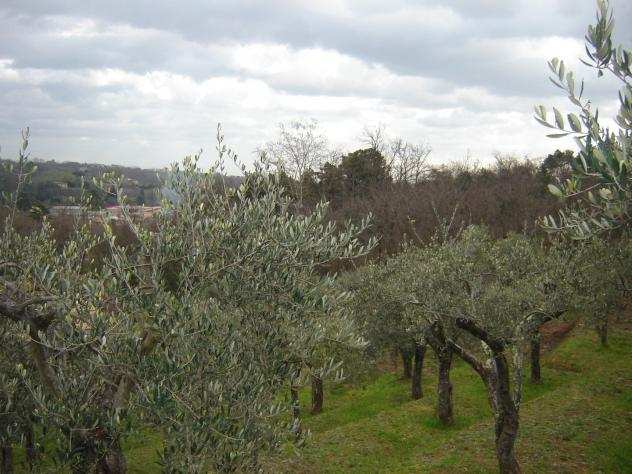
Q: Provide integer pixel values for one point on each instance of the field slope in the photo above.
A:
(578, 420)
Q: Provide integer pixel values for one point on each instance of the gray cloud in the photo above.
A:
(133, 72)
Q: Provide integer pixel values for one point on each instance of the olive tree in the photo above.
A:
(16, 409)
(601, 176)
(600, 280)
(336, 342)
(63, 352)
(418, 278)
(488, 297)
(229, 286)
(379, 306)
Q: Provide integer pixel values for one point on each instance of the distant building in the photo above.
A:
(56, 211)
(138, 212)
(110, 212)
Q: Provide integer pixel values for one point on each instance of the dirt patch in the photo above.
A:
(554, 332)
(390, 362)
(623, 318)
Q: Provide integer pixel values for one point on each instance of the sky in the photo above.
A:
(145, 83)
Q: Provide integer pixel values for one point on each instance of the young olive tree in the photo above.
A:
(63, 352)
(600, 279)
(226, 289)
(412, 345)
(335, 341)
(417, 278)
(601, 172)
(196, 327)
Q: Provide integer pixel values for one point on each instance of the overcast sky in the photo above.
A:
(144, 82)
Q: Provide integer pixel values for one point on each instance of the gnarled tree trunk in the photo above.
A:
(506, 414)
(113, 462)
(506, 433)
(94, 460)
(497, 379)
(317, 394)
(443, 351)
(416, 388)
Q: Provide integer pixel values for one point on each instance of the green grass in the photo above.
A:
(578, 420)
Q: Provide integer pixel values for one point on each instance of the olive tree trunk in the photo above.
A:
(603, 332)
(29, 446)
(296, 407)
(506, 433)
(444, 387)
(416, 388)
(435, 336)
(407, 361)
(113, 462)
(317, 394)
(497, 379)
(505, 413)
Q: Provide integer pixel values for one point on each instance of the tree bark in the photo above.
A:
(497, 382)
(507, 420)
(407, 359)
(506, 432)
(6, 464)
(317, 395)
(536, 376)
(296, 408)
(41, 362)
(444, 387)
(416, 388)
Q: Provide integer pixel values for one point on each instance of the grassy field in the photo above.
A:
(578, 420)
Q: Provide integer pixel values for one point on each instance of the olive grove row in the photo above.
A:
(484, 301)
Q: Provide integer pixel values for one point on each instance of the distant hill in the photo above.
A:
(59, 183)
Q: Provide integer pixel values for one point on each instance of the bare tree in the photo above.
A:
(375, 138)
(407, 161)
(298, 148)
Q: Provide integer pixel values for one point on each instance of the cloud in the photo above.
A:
(144, 83)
